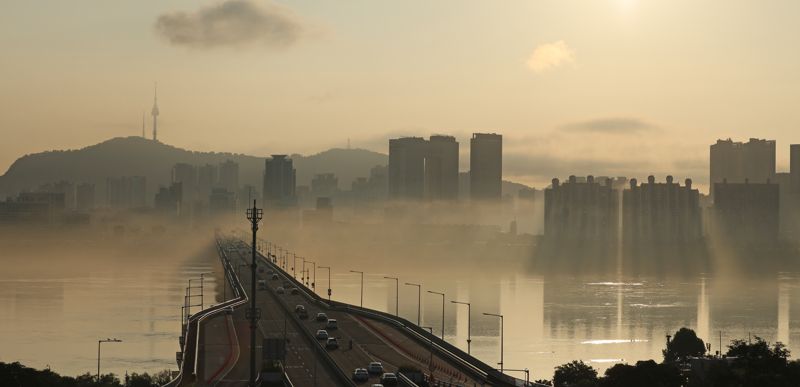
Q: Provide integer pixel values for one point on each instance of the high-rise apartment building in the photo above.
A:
(280, 182)
(486, 166)
(736, 162)
(661, 214)
(407, 168)
(581, 211)
(441, 168)
(229, 175)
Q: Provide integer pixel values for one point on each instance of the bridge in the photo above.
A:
(215, 342)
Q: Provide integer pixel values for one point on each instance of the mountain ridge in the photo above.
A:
(137, 156)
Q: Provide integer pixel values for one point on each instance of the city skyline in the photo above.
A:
(577, 94)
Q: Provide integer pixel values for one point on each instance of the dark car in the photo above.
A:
(389, 379)
(332, 343)
(360, 375)
(322, 317)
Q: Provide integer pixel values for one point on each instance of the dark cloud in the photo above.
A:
(619, 125)
(231, 23)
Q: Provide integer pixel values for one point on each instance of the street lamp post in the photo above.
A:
(294, 265)
(362, 285)
(114, 340)
(419, 299)
(329, 279)
(441, 294)
(313, 280)
(254, 215)
(396, 295)
(469, 323)
(501, 337)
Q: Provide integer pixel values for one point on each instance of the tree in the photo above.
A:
(684, 344)
(644, 374)
(575, 373)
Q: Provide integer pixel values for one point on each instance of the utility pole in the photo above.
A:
(419, 299)
(254, 215)
(329, 280)
(469, 324)
(396, 295)
(115, 340)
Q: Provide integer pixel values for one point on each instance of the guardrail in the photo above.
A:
(191, 342)
(444, 349)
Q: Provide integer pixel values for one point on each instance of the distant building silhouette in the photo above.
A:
(126, 192)
(659, 214)
(62, 186)
(229, 175)
(407, 168)
(486, 166)
(441, 168)
(168, 200)
(746, 213)
(280, 182)
(736, 162)
(581, 211)
(222, 202)
(186, 174)
(206, 180)
(324, 185)
(85, 196)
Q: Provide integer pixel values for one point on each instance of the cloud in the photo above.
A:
(231, 23)
(620, 125)
(551, 55)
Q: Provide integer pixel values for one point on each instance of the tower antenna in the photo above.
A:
(154, 112)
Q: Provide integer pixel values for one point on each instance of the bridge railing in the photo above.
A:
(444, 349)
(188, 367)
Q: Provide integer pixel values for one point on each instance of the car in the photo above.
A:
(375, 368)
(389, 379)
(295, 291)
(377, 385)
(274, 276)
(332, 324)
(303, 314)
(298, 308)
(322, 334)
(332, 343)
(262, 285)
(322, 317)
(360, 375)
(280, 290)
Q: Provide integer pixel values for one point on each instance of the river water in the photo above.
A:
(54, 313)
(55, 306)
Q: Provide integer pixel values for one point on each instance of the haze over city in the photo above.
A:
(521, 193)
(618, 87)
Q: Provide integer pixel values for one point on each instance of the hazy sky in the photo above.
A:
(621, 87)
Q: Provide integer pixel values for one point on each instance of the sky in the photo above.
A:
(603, 87)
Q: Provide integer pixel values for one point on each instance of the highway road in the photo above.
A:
(372, 340)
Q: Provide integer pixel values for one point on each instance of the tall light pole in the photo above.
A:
(362, 285)
(329, 279)
(441, 294)
(294, 265)
(254, 215)
(396, 295)
(114, 340)
(314, 280)
(419, 299)
(469, 323)
(501, 337)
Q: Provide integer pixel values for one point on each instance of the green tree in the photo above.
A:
(684, 344)
(575, 373)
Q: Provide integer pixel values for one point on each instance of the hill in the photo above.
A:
(136, 156)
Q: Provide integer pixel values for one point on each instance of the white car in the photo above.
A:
(360, 375)
(332, 324)
(375, 367)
